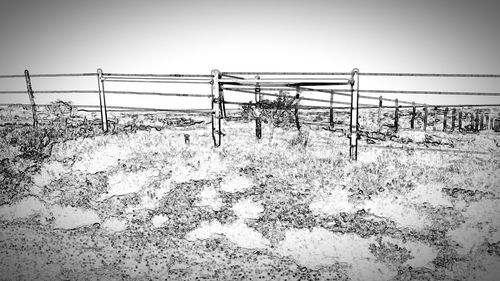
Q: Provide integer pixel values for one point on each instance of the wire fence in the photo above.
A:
(453, 117)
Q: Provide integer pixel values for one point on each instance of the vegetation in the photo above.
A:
(140, 203)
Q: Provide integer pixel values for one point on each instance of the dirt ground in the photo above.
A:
(141, 204)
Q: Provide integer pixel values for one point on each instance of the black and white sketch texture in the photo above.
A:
(249, 140)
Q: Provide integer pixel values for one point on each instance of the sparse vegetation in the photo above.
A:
(140, 203)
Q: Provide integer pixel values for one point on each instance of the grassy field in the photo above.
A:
(139, 203)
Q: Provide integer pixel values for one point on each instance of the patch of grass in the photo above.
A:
(390, 253)
(182, 213)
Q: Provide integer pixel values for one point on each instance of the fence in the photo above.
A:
(262, 84)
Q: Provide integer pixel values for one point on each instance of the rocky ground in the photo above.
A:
(141, 204)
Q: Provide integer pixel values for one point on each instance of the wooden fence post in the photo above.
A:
(258, 119)
(425, 117)
(460, 119)
(445, 118)
(102, 100)
(379, 119)
(453, 118)
(332, 123)
(216, 109)
(31, 97)
(396, 115)
(413, 114)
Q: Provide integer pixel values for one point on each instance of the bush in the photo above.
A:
(60, 110)
(281, 112)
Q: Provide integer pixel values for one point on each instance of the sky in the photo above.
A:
(440, 36)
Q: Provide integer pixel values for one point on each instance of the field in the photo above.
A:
(139, 203)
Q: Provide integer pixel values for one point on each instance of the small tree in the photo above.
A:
(281, 113)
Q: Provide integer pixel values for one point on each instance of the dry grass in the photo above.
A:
(268, 209)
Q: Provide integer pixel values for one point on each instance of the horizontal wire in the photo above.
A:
(202, 79)
(301, 79)
(50, 75)
(430, 75)
(264, 73)
(287, 73)
(430, 105)
(285, 84)
(12, 76)
(157, 94)
(28, 104)
(67, 92)
(53, 92)
(147, 108)
(15, 104)
(248, 103)
(64, 74)
(116, 107)
(362, 106)
(327, 107)
(158, 81)
(13, 92)
(428, 92)
(157, 75)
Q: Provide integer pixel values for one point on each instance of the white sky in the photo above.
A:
(198, 36)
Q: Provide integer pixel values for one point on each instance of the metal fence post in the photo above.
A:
(434, 116)
(425, 116)
(477, 125)
(216, 109)
(487, 120)
(296, 109)
(102, 100)
(332, 124)
(258, 119)
(354, 126)
(31, 97)
(396, 115)
(445, 118)
(379, 118)
(472, 121)
(460, 117)
(481, 121)
(453, 118)
(413, 114)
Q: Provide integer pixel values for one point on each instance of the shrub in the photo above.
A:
(60, 110)
(281, 112)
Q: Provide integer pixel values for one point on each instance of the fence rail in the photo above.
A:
(266, 84)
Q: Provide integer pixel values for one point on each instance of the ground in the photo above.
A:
(138, 203)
